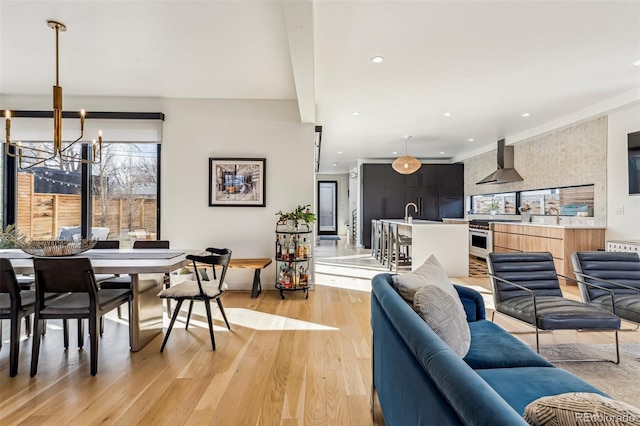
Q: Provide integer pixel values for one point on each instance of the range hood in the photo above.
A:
(505, 173)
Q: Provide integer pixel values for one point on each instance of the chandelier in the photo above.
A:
(37, 156)
(406, 164)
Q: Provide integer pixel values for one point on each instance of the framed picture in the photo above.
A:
(237, 182)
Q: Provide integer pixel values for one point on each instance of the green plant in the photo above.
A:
(10, 237)
(300, 214)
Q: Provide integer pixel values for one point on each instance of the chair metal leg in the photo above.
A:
(119, 314)
(93, 342)
(223, 314)
(207, 305)
(0, 334)
(65, 332)
(186, 327)
(102, 324)
(173, 320)
(35, 351)
(27, 325)
(81, 333)
(14, 345)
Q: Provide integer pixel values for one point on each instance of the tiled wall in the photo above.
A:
(575, 155)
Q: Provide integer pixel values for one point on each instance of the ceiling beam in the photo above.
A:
(298, 16)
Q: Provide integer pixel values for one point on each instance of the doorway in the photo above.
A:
(327, 207)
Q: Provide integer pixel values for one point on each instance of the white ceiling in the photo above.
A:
(486, 62)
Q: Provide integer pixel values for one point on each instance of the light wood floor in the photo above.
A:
(292, 361)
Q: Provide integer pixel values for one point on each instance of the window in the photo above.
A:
(504, 203)
(570, 201)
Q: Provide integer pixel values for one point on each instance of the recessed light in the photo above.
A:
(448, 114)
(377, 59)
(471, 139)
(441, 152)
(339, 152)
(636, 63)
(356, 113)
(394, 152)
(335, 164)
(526, 114)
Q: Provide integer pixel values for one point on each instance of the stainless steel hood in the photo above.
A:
(505, 172)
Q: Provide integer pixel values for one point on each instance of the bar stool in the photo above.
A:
(376, 234)
(398, 249)
(384, 242)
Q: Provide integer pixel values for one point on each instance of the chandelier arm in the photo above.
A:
(19, 147)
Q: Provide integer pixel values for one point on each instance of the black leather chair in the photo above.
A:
(14, 305)
(526, 287)
(73, 277)
(199, 290)
(618, 272)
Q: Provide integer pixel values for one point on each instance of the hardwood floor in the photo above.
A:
(287, 362)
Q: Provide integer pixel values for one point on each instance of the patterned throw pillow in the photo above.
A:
(580, 408)
(438, 309)
(429, 273)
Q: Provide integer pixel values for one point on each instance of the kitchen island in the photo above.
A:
(449, 242)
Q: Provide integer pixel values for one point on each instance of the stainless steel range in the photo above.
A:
(480, 238)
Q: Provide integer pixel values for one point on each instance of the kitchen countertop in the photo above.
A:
(420, 222)
(550, 225)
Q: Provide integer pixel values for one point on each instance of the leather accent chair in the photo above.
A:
(526, 287)
(616, 271)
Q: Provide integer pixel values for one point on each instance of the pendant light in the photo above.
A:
(406, 164)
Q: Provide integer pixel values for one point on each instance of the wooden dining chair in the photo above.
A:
(74, 278)
(14, 305)
(200, 290)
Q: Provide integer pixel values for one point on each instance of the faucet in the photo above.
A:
(557, 214)
(406, 210)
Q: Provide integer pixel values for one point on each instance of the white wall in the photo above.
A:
(195, 130)
(344, 214)
(624, 226)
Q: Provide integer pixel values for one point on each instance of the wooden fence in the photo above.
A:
(40, 216)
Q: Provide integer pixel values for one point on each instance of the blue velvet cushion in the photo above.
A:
(520, 386)
(494, 347)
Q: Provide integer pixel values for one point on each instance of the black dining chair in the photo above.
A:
(200, 290)
(124, 282)
(14, 305)
(74, 278)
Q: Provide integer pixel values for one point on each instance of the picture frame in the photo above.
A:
(237, 182)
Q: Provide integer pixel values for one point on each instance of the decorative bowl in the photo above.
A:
(54, 248)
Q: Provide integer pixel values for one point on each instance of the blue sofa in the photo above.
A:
(420, 381)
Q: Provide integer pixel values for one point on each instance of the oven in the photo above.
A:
(480, 242)
(480, 238)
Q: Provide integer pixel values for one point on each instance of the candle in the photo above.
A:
(7, 116)
(94, 149)
(82, 114)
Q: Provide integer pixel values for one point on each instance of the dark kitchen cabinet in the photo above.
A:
(425, 177)
(437, 190)
(427, 201)
(382, 196)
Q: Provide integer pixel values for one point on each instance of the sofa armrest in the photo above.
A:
(472, 302)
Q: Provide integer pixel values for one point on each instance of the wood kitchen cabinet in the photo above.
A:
(561, 242)
(437, 190)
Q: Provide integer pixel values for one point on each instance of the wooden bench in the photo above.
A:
(257, 264)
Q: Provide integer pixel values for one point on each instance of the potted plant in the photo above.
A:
(525, 213)
(11, 238)
(294, 218)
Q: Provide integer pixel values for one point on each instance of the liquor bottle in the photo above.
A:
(299, 249)
(278, 247)
(305, 248)
(292, 249)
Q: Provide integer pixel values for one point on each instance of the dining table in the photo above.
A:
(146, 269)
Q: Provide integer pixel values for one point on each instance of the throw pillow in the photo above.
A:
(439, 310)
(580, 408)
(429, 273)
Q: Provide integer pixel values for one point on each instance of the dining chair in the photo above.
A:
(14, 305)
(124, 282)
(74, 278)
(200, 290)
